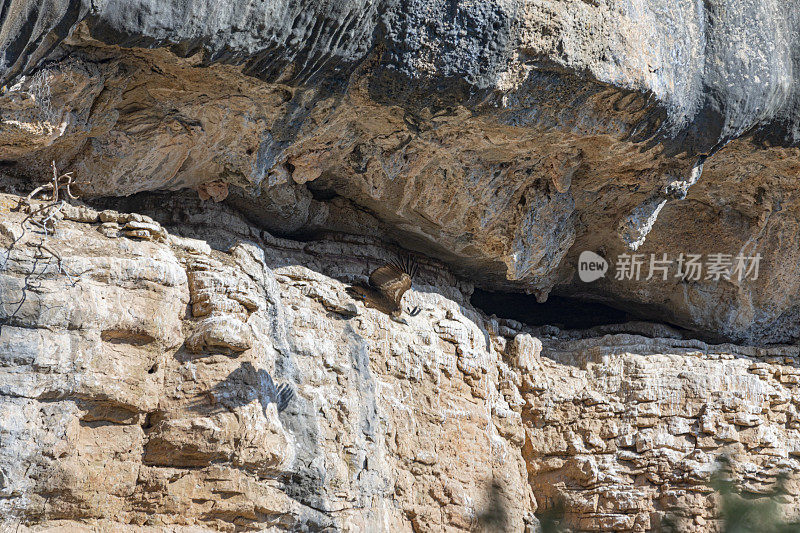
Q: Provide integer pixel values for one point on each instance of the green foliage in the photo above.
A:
(552, 520)
(740, 514)
(739, 511)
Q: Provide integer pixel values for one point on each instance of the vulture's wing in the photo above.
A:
(391, 281)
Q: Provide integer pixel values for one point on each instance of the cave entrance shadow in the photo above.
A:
(558, 311)
(563, 323)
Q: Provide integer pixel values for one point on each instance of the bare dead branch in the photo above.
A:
(46, 218)
(37, 190)
(63, 181)
(55, 183)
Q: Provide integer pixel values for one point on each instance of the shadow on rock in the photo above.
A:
(495, 516)
(241, 387)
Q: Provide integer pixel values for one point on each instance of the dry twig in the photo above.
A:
(44, 217)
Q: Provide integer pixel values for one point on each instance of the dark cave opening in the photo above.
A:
(559, 311)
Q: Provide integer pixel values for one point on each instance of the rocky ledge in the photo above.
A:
(502, 139)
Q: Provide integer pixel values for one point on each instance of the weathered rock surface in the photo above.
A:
(142, 346)
(503, 139)
(136, 382)
(111, 417)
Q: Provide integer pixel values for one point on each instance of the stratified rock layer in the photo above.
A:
(140, 365)
(503, 139)
(139, 375)
(141, 357)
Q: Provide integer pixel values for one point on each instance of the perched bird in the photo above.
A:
(387, 285)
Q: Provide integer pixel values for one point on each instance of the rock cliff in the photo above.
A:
(503, 139)
(240, 163)
(140, 365)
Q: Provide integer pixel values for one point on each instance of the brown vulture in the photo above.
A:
(387, 285)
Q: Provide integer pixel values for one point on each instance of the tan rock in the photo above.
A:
(128, 411)
(123, 408)
(525, 352)
(218, 190)
(220, 333)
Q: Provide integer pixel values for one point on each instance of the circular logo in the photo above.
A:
(591, 266)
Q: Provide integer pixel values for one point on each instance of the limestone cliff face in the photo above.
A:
(240, 163)
(138, 372)
(140, 366)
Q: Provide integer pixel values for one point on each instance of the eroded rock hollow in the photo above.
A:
(234, 166)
